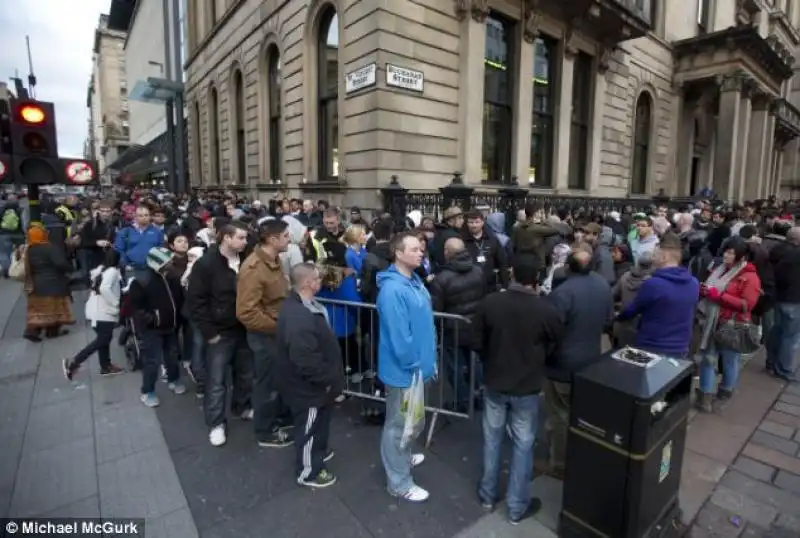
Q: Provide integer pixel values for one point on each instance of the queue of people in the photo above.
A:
(222, 285)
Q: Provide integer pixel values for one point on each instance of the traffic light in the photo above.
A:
(34, 142)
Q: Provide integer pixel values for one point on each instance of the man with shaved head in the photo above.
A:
(310, 363)
(458, 287)
(784, 337)
(586, 307)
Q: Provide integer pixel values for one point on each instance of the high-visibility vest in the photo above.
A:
(66, 214)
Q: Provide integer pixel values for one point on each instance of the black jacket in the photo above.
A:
(458, 287)
(514, 333)
(49, 270)
(309, 358)
(766, 274)
(93, 231)
(494, 258)
(785, 260)
(155, 301)
(211, 299)
(436, 248)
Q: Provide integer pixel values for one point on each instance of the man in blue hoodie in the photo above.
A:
(666, 304)
(407, 343)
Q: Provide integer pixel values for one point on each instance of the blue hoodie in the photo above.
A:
(666, 303)
(407, 334)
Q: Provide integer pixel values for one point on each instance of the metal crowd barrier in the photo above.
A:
(357, 329)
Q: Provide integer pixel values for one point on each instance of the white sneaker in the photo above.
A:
(415, 494)
(217, 436)
(247, 415)
(417, 459)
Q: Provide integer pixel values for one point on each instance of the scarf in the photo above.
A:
(719, 278)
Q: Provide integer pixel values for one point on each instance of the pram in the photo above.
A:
(127, 336)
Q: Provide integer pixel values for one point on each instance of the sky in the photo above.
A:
(62, 36)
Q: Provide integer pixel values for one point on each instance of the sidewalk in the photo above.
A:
(90, 448)
(85, 449)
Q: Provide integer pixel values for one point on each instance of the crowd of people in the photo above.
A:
(209, 284)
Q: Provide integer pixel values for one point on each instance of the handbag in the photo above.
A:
(16, 270)
(739, 336)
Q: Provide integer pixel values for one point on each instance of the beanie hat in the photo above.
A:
(158, 257)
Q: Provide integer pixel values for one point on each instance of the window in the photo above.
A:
(641, 144)
(328, 93)
(582, 91)
(274, 98)
(238, 103)
(498, 92)
(703, 16)
(545, 86)
(198, 144)
(213, 135)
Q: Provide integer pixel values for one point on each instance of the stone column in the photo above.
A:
(563, 119)
(523, 110)
(596, 135)
(470, 114)
(727, 139)
(765, 177)
(758, 150)
(746, 109)
(776, 176)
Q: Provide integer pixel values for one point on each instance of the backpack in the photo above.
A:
(10, 220)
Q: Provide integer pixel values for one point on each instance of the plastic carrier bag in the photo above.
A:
(413, 408)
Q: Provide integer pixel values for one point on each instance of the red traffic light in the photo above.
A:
(79, 172)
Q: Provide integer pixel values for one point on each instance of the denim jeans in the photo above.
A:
(104, 332)
(155, 349)
(457, 363)
(197, 354)
(708, 369)
(6, 248)
(396, 461)
(228, 351)
(270, 412)
(784, 339)
(520, 414)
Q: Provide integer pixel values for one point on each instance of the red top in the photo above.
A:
(741, 295)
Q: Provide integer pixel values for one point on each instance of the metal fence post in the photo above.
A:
(394, 200)
(456, 193)
(512, 200)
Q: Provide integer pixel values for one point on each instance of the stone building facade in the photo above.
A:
(587, 97)
(107, 96)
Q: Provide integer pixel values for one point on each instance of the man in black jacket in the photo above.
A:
(515, 333)
(98, 235)
(486, 251)
(310, 365)
(212, 307)
(784, 337)
(155, 300)
(457, 288)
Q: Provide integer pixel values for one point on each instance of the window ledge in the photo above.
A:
(327, 185)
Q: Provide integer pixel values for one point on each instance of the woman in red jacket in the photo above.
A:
(729, 293)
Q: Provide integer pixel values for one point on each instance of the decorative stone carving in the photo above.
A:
(733, 82)
(533, 18)
(480, 10)
(570, 44)
(461, 8)
(606, 53)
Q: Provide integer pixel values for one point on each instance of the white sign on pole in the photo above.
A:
(361, 78)
(407, 79)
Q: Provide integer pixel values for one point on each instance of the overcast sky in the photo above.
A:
(62, 36)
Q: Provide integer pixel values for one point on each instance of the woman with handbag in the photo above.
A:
(729, 295)
(47, 272)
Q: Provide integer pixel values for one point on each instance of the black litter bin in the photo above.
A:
(628, 418)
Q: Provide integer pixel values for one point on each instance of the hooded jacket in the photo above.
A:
(407, 334)
(458, 288)
(666, 305)
(630, 283)
(294, 253)
(103, 304)
(602, 261)
(497, 223)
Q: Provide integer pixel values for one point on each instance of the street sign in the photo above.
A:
(79, 172)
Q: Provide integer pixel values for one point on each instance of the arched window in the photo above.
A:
(238, 126)
(213, 136)
(198, 145)
(328, 95)
(274, 107)
(641, 143)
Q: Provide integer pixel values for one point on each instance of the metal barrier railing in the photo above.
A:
(451, 394)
